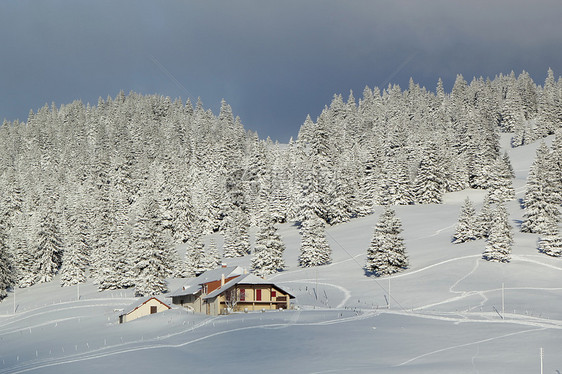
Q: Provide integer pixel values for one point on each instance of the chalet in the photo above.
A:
(191, 294)
(247, 293)
(143, 307)
(224, 290)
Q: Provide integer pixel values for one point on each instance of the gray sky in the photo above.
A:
(273, 61)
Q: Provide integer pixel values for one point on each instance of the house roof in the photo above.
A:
(187, 289)
(216, 274)
(193, 285)
(140, 302)
(249, 279)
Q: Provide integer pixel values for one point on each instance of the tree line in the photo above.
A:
(108, 191)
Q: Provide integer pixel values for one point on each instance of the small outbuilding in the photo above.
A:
(143, 307)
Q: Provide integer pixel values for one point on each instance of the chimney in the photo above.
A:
(245, 271)
(222, 280)
(223, 265)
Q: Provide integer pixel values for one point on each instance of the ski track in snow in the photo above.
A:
(457, 317)
(409, 273)
(473, 359)
(464, 294)
(526, 259)
(437, 232)
(47, 323)
(96, 354)
(18, 317)
(460, 294)
(346, 292)
(353, 258)
(481, 317)
(468, 344)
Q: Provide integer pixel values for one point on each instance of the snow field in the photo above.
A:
(445, 314)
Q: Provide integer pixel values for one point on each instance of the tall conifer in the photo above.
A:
(387, 253)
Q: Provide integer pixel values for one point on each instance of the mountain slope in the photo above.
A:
(444, 312)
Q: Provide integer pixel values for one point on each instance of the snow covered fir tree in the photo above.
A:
(153, 258)
(550, 243)
(542, 196)
(268, 250)
(77, 179)
(466, 228)
(6, 267)
(315, 250)
(500, 239)
(387, 253)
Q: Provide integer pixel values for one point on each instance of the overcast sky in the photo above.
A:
(274, 62)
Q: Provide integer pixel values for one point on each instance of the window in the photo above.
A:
(242, 294)
(153, 309)
(258, 295)
(273, 294)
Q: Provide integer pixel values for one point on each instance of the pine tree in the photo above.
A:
(24, 260)
(556, 165)
(512, 111)
(114, 267)
(498, 247)
(268, 250)
(48, 246)
(151, 250)
(74, 261)
(485, 218)
(549, 104)
(500, 181)
(541, 196)
(466, 228)
(236, 236)
(394, 186)
(315, 249)
(183, 213)
(7, 278)
(387, 252)
(77, 248)
(429, 184)
(116, 270)
(194, 257)
(211, 259)
(371, 170)
(550, 243)
(508, 168)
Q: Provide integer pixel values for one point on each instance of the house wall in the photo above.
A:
(213, 306)
(251, 304)
(192, 302)
(218, 304)
(144, 310)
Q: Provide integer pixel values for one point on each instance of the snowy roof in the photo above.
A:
(216, 274)
(193, 285)
(249, 279)
(187, 289)
(140, 302)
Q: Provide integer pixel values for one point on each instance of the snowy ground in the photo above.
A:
(443, 317)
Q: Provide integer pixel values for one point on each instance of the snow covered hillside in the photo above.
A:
(445, 314)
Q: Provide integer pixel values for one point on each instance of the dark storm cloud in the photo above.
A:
(274, 62)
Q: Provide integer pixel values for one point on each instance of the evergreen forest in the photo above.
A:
(109, 191)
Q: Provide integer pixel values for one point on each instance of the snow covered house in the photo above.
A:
(229, 289)
(143, 307)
